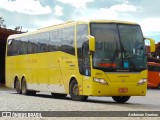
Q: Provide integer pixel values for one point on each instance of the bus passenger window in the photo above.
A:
(13, 48)
(82, 32)
(24, 45)
(86, 59)
(43, 41)
(32, 44)
(68, 40)
(55, 41)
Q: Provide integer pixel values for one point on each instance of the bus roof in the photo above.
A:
(69, 23)
(93, 21)
(113, 21)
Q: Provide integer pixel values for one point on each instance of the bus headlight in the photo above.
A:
(142, 81)
(100, 80)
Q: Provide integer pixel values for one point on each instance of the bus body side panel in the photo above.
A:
(9, 74)
(44, 72)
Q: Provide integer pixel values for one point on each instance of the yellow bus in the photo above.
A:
(80, 58)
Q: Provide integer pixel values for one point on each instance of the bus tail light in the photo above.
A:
(142, 81)
(100, 80)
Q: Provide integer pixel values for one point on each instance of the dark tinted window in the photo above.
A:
(13, 47)
(82, 32)
(55, 40)
(68, 40)
(23, 45)
(43, 39)
(32, 44)
(154, 68)
(86, 70)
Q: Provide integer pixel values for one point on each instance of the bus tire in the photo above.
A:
(18, 86)
(57, 95)
(24, 87)
(25, 91)
(158, 86)
(74, 92)
(121, 99)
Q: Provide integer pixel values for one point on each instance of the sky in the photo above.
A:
(34, 14)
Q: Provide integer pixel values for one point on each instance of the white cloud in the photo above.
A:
(151, 28)
(151, 24)
(90, 14)
(76, 3)
(124, 8)
(47, 23)
(124, 1)
(116, 12)
(25, 6)
(58, 10)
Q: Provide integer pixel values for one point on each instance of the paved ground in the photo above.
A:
(43, 101)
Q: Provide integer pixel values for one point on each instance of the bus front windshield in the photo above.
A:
(118, 47)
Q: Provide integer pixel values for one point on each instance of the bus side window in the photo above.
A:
(150, 68)
(13, 48)
(68, 40)
(43, 41)
(9, 47)
(82, 32)
(55, 40)
(32, 44)
(42, 47)
(32, 47)
(156, 68)
(23, 45)
(86, 59)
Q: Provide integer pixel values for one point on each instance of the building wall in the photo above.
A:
(4, 33)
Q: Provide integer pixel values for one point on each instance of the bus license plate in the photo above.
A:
(122, 90)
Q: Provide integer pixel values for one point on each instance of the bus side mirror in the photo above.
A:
(91, 43)
(152, 44)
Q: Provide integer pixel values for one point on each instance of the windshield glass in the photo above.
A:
(118, 46)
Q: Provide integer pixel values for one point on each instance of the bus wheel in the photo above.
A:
(24, 87)
(17, 86)
(57, 95)
(120, 99)
(74, 92)
(158, 86)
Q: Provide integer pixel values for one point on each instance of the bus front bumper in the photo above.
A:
(118, 89)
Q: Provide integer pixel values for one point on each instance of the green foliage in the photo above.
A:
(2, 24)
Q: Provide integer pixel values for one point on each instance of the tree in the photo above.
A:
(2, 25)
(18, 28)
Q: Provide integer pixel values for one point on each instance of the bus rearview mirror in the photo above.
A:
(91, 43)
(152, 44)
